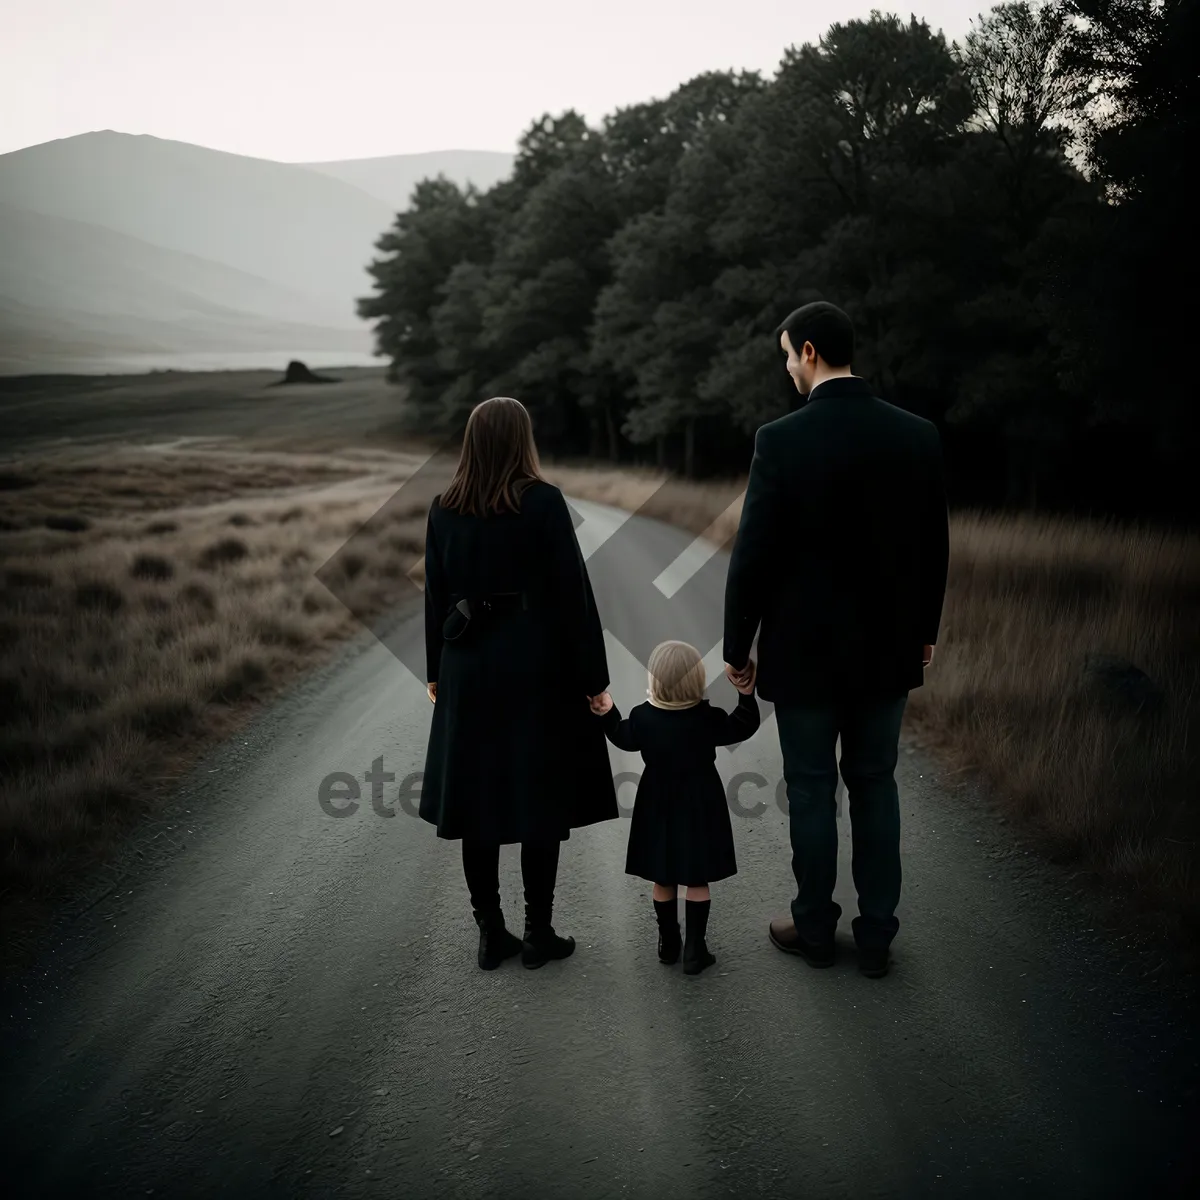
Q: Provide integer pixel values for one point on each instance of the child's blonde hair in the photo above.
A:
(677, 678)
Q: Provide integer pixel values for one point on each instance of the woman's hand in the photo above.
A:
(600, 704)
(431, 688)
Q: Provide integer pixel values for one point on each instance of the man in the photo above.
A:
(841, 555)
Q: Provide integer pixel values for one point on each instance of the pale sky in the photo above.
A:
(312, 80)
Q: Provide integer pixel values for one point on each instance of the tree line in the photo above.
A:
(1004, 219)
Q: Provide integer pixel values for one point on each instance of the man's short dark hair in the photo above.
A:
(826, 326)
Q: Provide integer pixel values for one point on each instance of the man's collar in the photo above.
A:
(840, 386)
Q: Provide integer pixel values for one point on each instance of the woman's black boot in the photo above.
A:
(496, 943)
(670, 941)
(541, 943)
(695, 949)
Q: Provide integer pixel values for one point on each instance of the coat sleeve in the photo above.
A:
(620, 732)
(736, 726)
(574, 602)
(754, 552)
(437, 600)
(935, 546)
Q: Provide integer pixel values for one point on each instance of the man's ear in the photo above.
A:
(808, 352)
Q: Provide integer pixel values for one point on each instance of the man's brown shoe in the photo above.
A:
(785, 937)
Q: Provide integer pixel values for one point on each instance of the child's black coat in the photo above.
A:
(681, 832)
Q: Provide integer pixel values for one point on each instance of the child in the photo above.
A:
(680, 832)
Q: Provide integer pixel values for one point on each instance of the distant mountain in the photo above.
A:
(145, 245)
(52, 262)
(393, 177)
(72, 289)
(294, 227)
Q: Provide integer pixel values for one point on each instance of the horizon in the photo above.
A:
(285, 162)
(416, 80)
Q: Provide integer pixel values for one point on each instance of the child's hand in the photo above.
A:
(747, 688)
(600, 704)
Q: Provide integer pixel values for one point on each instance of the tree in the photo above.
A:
(1028, 84)
(1142, 115)
(626, 281)
(442, 227)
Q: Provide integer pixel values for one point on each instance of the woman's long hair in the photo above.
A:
(498, 461)
(676, 675)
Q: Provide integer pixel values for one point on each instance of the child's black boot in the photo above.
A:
(696, 955)
(670, 940)
(541, 943)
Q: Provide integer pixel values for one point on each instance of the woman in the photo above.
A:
(515, 754)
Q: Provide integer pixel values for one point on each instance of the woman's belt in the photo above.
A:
(495, 602)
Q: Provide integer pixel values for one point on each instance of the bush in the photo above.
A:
(227, 550)
(68, 523)
(200, 597)
(151, 566)
(99, 597)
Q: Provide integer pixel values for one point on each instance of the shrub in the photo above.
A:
(68, 523)
(240, 680)
(151, 566)
(99, 597)
(199, 597)
(227, 550)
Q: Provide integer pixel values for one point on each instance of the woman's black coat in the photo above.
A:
(515, 753)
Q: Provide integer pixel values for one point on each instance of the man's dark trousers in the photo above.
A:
(870, 733)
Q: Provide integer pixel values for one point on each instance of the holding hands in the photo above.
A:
(600, 704)
(744, 678)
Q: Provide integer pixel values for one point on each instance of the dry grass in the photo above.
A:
(182, 592)
(1106, 786)
(1110, 789)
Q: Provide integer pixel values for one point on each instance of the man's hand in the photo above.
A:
(927, 657)
(431, 688)
(747, 689)
(600, 704)
(743, 678)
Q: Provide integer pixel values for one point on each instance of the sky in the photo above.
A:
(316, 80)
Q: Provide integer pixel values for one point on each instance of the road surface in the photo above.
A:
(279, 1002)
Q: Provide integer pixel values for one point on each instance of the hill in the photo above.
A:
(297, 228)
(73, 291)
(393, 177)
(131, 245)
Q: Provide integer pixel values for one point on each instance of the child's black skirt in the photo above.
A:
(681, 832)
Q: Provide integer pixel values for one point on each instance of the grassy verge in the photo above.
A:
(151, 596)
(1101, 765)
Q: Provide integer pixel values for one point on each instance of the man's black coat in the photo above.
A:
(842, 550)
